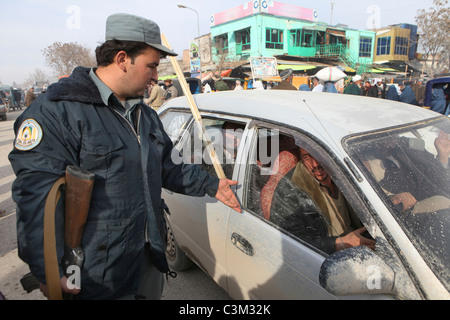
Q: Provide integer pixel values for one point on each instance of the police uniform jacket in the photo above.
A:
(71, 125)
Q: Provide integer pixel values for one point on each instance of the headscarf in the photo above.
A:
(408, 96)
(304, 87)
(329, 87)
(392, 93)
(438, 100)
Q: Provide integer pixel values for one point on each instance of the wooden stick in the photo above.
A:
(194, 109)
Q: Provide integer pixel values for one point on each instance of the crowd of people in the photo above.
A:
(157, 94)
(411, 92)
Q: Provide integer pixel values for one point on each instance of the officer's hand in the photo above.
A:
(226, 195)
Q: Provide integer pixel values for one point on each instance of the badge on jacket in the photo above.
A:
(29, 135)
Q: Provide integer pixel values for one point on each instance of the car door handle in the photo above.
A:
(242, 244)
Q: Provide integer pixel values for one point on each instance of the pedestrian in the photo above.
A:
(170, 90)
(317, 85)
(419, 91)
(17, 97)
(392, 93)
(329, 87)
(219, 83)
(156, 97)
(206, 87)
(354, 88)
(369, 90)
(258, 85)
(381, 87)
(438, 99)
(93, 120)
(238, 85)
(408, 95)
(304, 87)
(30, 97)
(286, 81)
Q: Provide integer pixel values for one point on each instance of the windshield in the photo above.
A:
(409, 168)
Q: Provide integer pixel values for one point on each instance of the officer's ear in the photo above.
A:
(122, 60)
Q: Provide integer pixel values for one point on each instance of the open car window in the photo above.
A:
(174, 123)
(225, 136)
(280, 190)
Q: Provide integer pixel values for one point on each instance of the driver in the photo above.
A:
(398, 181)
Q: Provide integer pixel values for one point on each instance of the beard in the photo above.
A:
(319, 174)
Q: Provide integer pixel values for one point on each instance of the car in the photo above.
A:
(3, 110)
(265, 252)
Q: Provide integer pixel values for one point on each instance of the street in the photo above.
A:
(190, 285)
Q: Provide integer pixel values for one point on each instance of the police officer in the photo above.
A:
(93, 120)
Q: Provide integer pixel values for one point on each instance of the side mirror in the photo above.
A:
(355, 271)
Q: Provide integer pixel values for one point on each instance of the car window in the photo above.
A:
(409, 168)
(174, 123)
(225, 136)
(281, 190)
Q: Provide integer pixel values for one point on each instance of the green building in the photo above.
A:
(269, 28)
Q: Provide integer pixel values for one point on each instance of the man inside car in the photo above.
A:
(308, 204)
(344, 225)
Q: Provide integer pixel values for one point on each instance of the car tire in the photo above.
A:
(176, 258)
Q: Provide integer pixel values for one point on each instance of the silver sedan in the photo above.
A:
(316, 171)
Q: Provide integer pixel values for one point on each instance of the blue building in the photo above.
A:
(269, 28)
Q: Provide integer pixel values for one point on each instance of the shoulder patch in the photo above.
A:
(29, 135)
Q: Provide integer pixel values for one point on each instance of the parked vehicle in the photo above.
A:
(251, 255)
(12, 97)
(3, 109)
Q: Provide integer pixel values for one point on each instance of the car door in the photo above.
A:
(199, 223)
(266, 259)
(262, 261)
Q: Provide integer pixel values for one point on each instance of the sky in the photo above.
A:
(29, 26)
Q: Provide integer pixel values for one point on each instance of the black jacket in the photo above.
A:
(130, 168)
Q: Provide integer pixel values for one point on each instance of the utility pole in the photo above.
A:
(331, 17)
(182, 6)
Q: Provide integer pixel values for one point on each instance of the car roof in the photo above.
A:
(340, 114)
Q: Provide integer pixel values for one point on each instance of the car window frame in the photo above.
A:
(323, 154)
(215, 116)
(187, 123)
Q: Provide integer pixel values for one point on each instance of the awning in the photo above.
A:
(226, 73)
(388, 69)
(273, 79)
(172, 76)
(336, 34)
(209, 74)
(296, 67)
(348, 69)
(374, 71)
